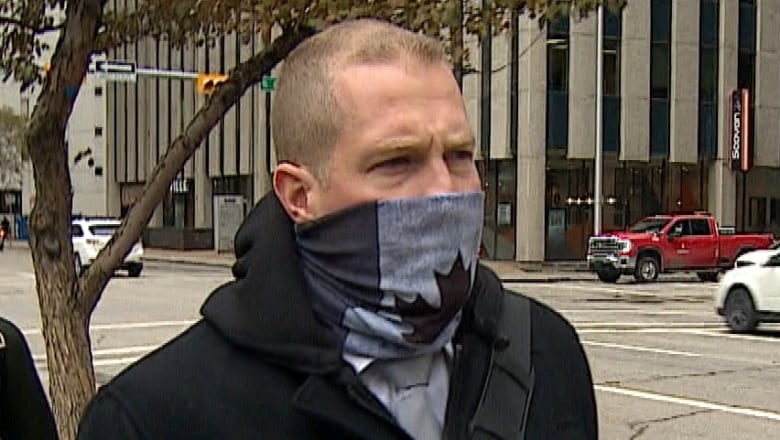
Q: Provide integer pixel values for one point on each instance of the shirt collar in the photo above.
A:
(360, 363)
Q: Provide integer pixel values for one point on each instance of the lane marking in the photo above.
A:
(139, 349)
(642, 349)
(695, 403)
(644, 312)
(123, 326)
(102, 362)
(617, 325)
(683, 330)
(117, 361)
(714, 333)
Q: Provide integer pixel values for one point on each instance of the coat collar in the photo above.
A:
(266, 308)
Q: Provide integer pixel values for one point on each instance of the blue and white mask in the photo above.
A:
(392, 276)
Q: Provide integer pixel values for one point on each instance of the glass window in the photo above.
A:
(103, 230)
(681, 227)
(75, 231)
(659, 71)
(612, 23)
(745, 69)
(659, 127)
(649, 225)
(557, 119)
(747, 26)
(708, 82)
(700, 227)
(557, 66)
(611, 124)
(709, 23)
(661, 20)
(558, 28)
(708, 129)
(611, 67)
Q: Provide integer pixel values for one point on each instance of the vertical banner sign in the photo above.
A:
(739, 153)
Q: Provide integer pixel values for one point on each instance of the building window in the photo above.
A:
(660, 76)
(709, 31)
(746, 70)
(98, 131)
(611, 123)
(558, 84)
(98, 91)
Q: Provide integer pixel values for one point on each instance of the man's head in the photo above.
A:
(367, 111)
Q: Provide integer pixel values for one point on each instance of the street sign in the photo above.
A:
(118, 71)
(268, 83)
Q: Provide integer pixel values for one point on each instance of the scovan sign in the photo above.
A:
(739, 139)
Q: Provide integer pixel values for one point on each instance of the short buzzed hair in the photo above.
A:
(306, 117)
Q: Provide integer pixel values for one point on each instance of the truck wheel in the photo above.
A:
(710, 277)
(740, 312)
(647, 269)
(608, 274)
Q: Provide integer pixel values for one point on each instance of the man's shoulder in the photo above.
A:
(182, 384)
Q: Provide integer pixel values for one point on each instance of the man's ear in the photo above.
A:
(292, 185)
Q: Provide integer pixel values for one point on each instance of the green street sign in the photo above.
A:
(268, 83)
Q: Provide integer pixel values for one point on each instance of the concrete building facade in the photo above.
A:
(670, 68)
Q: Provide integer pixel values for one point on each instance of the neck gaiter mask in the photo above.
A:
(391, 277)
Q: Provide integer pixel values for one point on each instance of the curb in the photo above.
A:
(187, 261)
(513, 279)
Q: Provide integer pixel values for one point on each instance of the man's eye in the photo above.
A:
(460, 156)
(394, 164)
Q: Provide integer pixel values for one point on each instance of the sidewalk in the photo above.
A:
(508, 271)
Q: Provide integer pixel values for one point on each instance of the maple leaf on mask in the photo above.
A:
(428, 321)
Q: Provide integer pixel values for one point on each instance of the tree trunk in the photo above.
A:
(63, 314)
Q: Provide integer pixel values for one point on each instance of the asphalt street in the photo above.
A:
(663, 363)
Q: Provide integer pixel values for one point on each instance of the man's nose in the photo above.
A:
(440, 178)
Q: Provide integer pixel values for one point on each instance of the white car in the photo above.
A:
(751, 257)
(90, 234)
(748, 294)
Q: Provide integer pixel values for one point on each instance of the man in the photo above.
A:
(5, 231)
(359, 309)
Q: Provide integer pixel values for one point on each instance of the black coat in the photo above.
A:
(259, 365)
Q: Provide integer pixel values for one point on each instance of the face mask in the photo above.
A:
(392, 276)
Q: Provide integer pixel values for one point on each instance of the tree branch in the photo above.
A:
(10, 21)
(226, 95)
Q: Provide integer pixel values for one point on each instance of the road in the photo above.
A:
(663, 364)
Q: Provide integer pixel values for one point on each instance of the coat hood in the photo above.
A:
(266, 308)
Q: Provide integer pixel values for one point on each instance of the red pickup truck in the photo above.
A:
(666, 243)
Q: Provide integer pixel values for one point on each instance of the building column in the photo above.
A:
(684, 93)
(531, 148)
(263, 150)
(203, 198)
(635, 82)
(767, 99)
(722, 195)
(582, 88)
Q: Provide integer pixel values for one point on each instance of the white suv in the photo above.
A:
(90, 234)
(748, 294)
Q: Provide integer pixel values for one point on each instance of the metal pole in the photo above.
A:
(159, 73)
(597, 174)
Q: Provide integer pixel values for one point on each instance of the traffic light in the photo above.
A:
(207, 82)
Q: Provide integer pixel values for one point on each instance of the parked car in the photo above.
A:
(90, 234)
(748, 294)
(752, 257)
(667, 243)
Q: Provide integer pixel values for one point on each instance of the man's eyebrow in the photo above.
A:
(457, 142)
